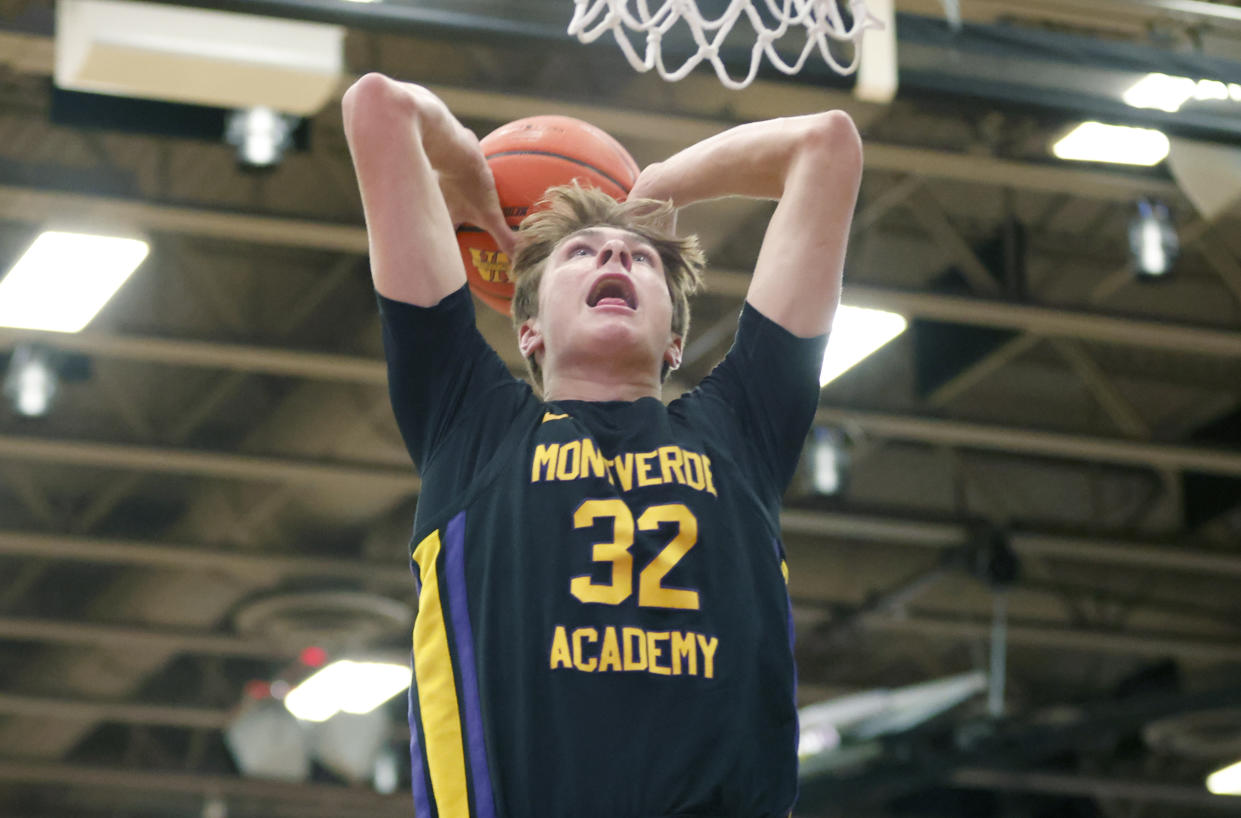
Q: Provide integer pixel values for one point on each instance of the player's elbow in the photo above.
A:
(375, 104)
(830, 140)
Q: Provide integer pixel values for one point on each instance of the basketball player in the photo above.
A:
(603, 628)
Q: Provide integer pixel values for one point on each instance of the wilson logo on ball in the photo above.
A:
(492, 265)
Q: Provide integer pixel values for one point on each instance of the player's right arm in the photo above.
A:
(421, 173)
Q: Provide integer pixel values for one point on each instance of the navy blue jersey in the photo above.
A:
(603, 626)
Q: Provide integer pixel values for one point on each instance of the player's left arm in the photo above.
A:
(813, 165)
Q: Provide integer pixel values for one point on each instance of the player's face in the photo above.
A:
(603, 298)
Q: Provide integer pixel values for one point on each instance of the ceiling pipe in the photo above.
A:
(149, 715)
(126, 637)
(186, 557)
(326, 797)
(1034, 442)
(1085, 786)
(227, 465)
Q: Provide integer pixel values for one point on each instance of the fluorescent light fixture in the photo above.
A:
(822, 738)
(1226, 781)
(857, 332)
(1164, 92)
(346, 686)
(1161, 92)
(64, 279)
(1096, 142)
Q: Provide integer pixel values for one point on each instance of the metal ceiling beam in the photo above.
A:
(1050, 322)
(1034, 442)
(1139, 13)
(1096, 641)
(204, 463)
(135, 637)
(150, 715)
(187, 557)
(36, 206)
(893, 529)
(1042, 321)
(265, 360)
(1083, 786)
(339, 799)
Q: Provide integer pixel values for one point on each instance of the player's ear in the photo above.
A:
(672, 355)
(529, 337)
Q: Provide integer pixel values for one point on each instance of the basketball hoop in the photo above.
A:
(821, 21)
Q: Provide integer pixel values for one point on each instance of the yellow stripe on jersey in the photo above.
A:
(549, 416)
(437, 689)
(784, 569)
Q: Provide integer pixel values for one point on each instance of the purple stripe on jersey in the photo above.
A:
(463, 638)
(422, 805)
(792, 650)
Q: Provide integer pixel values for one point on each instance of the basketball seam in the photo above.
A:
(586, 165)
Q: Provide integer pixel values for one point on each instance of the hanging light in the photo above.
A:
(829, 460)
(1153, 240)
(260, 134)
(31, 382)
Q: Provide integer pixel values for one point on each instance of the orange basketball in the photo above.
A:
(527, 157)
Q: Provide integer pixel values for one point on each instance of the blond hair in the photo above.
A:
(568, 209)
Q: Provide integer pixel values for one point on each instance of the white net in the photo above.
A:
(820, 20)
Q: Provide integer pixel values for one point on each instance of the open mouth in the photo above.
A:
(612, 291)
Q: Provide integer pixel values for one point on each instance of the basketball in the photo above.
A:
(527, 157)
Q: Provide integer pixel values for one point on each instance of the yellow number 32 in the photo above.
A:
(651, 594)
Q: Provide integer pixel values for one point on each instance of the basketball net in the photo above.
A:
(821, 21)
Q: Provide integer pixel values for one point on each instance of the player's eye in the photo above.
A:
(580, 250)
(642, 257)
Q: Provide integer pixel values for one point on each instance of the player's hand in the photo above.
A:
(652, 183)
(469, 190)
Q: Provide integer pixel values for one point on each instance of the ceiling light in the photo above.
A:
(64, 279)
(856, 333)
(1153, 240)
(31, 381)
(829, 464)
(261, 135)
(1211, 90)
(1160, 91)
(347, 686)
(1168, 93)
(1226, 781)
(1096, 142)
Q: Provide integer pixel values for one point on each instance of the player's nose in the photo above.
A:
(615, 248)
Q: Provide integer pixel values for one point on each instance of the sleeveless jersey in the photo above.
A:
(603, 627)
